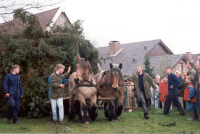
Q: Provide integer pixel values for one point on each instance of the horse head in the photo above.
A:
(83, 70)
(116, 75)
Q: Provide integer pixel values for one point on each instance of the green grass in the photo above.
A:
(129, 122)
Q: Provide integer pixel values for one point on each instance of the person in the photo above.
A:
(163, 90)
(129, 95)
(197, 77)
(141, 82)
(180, 88)
(190, 96)
(157, 80)
(155, 96)
(13, 92)
(56, 92)
(173, 82)
(184, 74)
(191, 71)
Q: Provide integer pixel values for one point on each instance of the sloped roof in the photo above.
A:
(46, 17)
(17, 25)
(161, 62)
(133, 54)
(130, 51)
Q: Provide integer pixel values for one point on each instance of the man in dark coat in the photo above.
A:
(180, 88)
(13, 91)
(142, 82)
(173, 82)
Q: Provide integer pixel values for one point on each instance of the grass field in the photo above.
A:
(129, 122)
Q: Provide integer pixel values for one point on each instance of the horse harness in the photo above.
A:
(110, 84)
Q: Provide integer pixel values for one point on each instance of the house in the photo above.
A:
(55, 16)
(133, 54)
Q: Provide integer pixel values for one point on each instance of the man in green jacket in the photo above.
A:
(142, 83)
(56, 91)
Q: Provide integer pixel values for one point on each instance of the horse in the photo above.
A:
(111, 84)
(82, 85)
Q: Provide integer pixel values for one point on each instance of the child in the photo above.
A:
(190, 96)
(163, 90)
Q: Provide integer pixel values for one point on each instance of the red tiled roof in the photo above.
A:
(16, 25)
(46, 17)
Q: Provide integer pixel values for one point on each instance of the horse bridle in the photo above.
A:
(110, 84)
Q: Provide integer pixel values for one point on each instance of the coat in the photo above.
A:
(181, 87)
(197, 86)
(192, 72)
(190, 93)
(10, 86)
(147, 81)
(55, 91)
(163, 91)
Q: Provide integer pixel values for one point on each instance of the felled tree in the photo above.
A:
(37, 52)
(148, 68)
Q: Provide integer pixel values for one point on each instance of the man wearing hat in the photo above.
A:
(180, 88)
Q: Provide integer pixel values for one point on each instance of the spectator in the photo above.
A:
(56, 92)
(157, 80)
(173, 82)
(13, 92)
(129, 95)
(197, 79)
(190, 96)
(191, 71)
(163, 90)
(180, 88)
(155, 96)
(184, 73)
(141, 82)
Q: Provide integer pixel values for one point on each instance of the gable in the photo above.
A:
(46, 17)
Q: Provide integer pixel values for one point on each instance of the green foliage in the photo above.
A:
(38, 106)
(37, 52)
(148, 68)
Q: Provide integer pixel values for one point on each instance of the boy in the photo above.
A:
(190, 96)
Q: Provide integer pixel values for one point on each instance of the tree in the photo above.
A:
(37, 52)
(148, 68)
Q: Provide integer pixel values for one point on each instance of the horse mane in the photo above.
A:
(85, 64)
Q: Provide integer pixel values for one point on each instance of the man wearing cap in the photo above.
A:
(180, 88)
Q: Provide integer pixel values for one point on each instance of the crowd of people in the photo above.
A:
(172, 91)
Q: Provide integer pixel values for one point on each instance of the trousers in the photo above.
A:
(13, 107)
(172, 96)
(144, 102)
(54, 104)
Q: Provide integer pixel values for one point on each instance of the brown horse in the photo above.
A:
(111, 84)
(82, 85)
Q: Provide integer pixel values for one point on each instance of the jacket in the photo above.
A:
(190, 93)
(173, 80)
(181, 87)
(197, 80)
(147, 81)
(192, 72)
(163, 90)
(55, 91)
(10, 86)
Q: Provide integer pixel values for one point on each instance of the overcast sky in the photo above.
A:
(175, 22)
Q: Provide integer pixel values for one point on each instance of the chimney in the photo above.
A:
(188, 55)
(114, 47)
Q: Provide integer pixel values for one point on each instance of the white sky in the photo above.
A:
(176, 22)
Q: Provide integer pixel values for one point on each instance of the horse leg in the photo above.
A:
(93, 110)
(110, 111)
(84, 115)
(119, 108)
(71, 114)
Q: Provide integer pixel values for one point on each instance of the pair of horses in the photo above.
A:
(84, 85)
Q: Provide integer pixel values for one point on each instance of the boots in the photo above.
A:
(192, 115)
